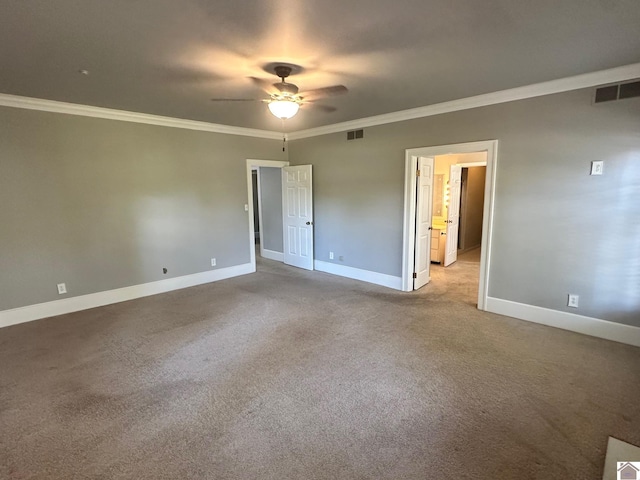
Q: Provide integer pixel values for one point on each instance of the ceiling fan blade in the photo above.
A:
(284, 87)
(236, 100)
(324, 108)
(266, 85)
(325, 91)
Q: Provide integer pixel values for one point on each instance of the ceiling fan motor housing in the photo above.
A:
(282, 71)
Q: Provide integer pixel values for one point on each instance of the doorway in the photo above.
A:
(413, 252)
(264, 207)
(280, 208)
(471, 206)
(457, 205)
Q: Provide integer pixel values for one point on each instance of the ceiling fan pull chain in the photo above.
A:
(284, 137)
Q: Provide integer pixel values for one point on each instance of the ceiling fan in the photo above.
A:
(284, 98)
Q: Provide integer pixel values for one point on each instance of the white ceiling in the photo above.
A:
(169, 57)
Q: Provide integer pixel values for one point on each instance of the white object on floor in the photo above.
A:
(618, 451)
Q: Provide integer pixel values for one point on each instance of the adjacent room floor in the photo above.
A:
(459, 281)
(288, 374)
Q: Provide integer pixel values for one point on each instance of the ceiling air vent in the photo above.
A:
(617, 92)
(355, 134)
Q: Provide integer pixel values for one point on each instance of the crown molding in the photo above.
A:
(587, 80)
(30, 103)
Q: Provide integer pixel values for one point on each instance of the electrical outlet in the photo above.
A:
(213, 262)
(597, 167)
(573, 300)
(330, 255)
(62, 288)
(341, 258)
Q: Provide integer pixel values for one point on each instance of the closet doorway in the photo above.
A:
(280, 208)
(264, 186)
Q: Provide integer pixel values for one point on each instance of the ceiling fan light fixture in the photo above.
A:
(283, 109)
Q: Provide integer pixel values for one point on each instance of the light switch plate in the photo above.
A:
(597, 167)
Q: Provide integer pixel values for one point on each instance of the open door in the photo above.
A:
(297, 216)
(453, 215)
(424, 199)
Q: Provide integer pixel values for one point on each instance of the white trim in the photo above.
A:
(472, 164)
(358, 274)
(259, 191)
(272, 255)
(587, 80)
(99, 299)
(251, 165)
(411, 155)
(594, 327)
(408, 224)
(29, 103)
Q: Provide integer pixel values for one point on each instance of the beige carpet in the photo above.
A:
(288, 374)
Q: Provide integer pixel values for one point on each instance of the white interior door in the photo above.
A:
(424, 199)
(453, 215)
(297, 213)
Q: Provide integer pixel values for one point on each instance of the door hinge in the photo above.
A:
(415, 275)
(417, 173)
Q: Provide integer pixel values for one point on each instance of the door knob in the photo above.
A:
(309, 223)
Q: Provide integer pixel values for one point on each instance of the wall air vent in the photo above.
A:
(629, 90)
(355, 134)
(617, 92)
(606, 94)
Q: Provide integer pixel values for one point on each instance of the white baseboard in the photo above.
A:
(595, 327)
(359, 274)
(99, 299)
(468, 249)
(272, 255)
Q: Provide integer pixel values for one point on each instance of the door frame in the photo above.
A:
(409, 227)
(257, 170)
(251, 165)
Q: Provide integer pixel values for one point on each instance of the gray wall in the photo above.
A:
(102, 204)
(271, 191)
(557, 230)
(472, 208)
